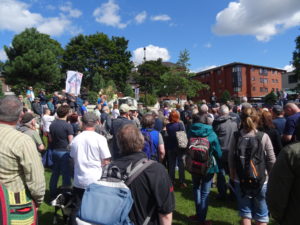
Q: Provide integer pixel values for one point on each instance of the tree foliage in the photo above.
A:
(270, 98)
(34, 59)
(296, 57)
(183, 60)
(177, 83)
(128, 91)
(149, 76)
(97, 55)
(225, 97)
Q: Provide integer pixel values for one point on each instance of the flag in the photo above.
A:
(73, 82)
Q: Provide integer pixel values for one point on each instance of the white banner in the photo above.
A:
(73, 82)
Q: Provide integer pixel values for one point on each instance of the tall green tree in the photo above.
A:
(183, 60)
(97, 53)
(296, 57)
(270, 98)
(149, 76)
(176, 83)
(34, 59)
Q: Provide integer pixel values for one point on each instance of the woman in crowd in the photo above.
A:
(175, 154)
(202, 185)
(251, 206)
(266, 125)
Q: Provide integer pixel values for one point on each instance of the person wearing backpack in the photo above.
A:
(205, 151)
(250, 162)
(154, 144)
(152, 190)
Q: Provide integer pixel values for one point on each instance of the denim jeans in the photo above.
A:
(201, 188)
(176, 156)
(253, 208)
(61, 166)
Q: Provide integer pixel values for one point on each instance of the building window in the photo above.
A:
(293, 79)
(263, 71)
(253, 78)
(263, 89)
(237, 89)
(264, 80)
(218, 72)
(253, 89)
(220, 81)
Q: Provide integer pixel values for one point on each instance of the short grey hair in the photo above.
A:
(90, 119)
(10, 109)
(224, 110)
(203, 109)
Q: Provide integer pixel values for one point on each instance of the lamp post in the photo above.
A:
(144, 54)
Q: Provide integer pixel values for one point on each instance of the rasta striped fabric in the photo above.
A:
(16, 208)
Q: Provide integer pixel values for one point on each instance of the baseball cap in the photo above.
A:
(124, 108)
(27, 117)
(132, 108)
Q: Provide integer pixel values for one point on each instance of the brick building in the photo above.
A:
(240, 80)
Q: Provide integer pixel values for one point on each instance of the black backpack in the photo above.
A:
(250, 163)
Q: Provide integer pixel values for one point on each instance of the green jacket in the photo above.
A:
(283, 192)
(204, 130)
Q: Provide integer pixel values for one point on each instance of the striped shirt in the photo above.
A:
(20, 163)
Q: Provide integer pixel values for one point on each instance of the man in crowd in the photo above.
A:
(284, 186)
(28, 126)
(90, 153)
(152, 190)
(83, 108)
(117, 124)
(106, 118)
(21, 169)
(61, 134)
(225, 127)
(279, 120)
(204, 114)
(293, 112)
(36, 107)
(30, 93)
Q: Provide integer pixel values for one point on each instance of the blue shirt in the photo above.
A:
(291, 123)
(279, 123)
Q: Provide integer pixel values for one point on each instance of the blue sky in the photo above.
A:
(215, 32)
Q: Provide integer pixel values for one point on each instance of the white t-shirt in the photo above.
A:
(88, 149)
(115, 113)
(46, 122)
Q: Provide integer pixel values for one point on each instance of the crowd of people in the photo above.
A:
(84, 141)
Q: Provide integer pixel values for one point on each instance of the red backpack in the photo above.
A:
(198, 160)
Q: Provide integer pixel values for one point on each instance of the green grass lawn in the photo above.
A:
(219, 213)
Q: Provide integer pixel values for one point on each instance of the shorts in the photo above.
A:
(253, 208)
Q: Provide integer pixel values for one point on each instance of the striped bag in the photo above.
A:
(16, 208)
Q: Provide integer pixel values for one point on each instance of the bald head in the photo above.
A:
(291, 109)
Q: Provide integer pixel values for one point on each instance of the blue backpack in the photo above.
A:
(151, 137)
(109, 201)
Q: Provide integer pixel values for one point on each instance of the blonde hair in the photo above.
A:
(250, 119)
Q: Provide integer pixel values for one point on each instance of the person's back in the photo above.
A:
(152, 189)
(117, 124)
(283, 193)
(21, 169)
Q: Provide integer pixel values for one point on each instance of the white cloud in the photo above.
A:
(163, 17)
(16, 16)
(289, 68)
(67, 8)
(208, 45)
(140, 18)
(152, 53)
(263, 19)
(108, 14)
(3, 56)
